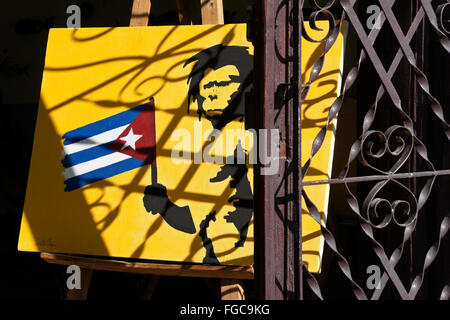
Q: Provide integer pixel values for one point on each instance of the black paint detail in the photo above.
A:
(210, 256)
(155, 195)
(216, 57)
(156, 201)
(243, 198)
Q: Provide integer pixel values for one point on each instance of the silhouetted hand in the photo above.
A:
(156, 199)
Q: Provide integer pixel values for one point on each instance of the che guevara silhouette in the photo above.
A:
(218, 82)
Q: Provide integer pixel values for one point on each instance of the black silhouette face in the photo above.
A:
(217, 88)
(218, 82)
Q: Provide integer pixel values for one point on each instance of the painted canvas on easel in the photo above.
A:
(141, 151)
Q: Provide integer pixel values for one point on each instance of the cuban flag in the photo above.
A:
(111, 146)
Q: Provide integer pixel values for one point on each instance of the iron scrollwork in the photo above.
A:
(396, 142)
(389, 200)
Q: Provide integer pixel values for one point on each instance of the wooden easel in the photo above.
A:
(230, 277)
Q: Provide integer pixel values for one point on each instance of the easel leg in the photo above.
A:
(140, 13)
(81, 294)
(149, 287)
(212, 11)
(183, 12)
(232, 289)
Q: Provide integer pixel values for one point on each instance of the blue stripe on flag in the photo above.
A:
(103, 125)
(103, 173)
(86, 155)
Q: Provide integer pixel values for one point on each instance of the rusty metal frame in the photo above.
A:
(277, 232)
(279, 95)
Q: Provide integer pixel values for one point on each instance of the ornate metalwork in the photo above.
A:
(398, 142)
(389, 202)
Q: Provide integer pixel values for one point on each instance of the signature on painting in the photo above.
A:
(46, 242)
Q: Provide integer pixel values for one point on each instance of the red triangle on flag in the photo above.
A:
(139, 138)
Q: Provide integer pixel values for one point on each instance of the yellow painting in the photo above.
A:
(140, 148)
(315, 110)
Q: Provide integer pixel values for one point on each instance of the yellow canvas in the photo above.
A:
(140, 149)
(315, 110)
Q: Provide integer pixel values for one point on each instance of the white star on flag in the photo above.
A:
(130, 140)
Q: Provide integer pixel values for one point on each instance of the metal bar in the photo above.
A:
(416, 99)
(277, 234)
(272, 73)
(378, 177)
(297, 120)
(293, 148)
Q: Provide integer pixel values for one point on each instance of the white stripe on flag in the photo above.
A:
(94, 164)
(94, 141)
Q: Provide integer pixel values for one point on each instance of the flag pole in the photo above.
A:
(154, 174)
(153, 126)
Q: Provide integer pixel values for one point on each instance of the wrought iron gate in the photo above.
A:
(397, 195)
